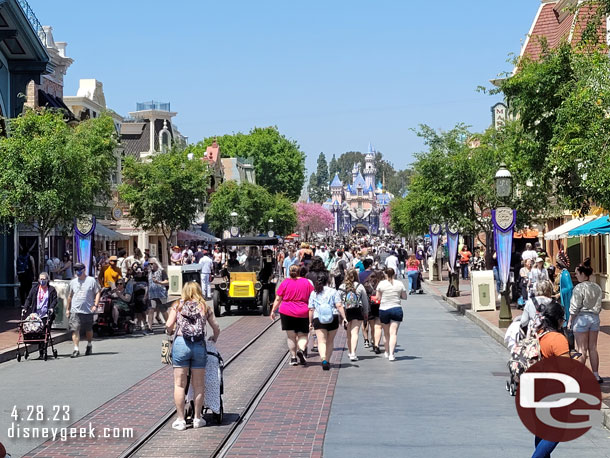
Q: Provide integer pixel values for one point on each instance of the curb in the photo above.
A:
(11, 353)
(498, 336)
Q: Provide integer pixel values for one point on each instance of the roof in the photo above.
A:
(554, 23)
(241, 241)
(212, 152)
(359, 181)
(137, 140)
(336, 183)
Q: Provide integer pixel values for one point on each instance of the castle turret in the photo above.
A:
(369, 167)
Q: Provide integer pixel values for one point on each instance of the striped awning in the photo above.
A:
(562, 231)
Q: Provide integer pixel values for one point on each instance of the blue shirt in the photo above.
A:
(290, 262)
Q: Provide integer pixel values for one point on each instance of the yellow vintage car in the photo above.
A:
(248, 275)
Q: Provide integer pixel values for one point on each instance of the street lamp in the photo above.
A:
(234, 229)
(326, 230)
(504, 221)
(270, 233)
(336, 208)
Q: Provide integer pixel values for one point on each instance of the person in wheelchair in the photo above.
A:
(41, 300)
(121, 299)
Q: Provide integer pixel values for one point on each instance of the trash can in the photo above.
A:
(174, 275)
(191, 272)
(483, 290)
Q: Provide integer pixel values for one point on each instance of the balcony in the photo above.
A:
(33, 20)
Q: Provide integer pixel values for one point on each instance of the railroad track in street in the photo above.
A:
(161, 431)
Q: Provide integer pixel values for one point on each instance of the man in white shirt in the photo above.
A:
(529, 253)
(391, 262)
(207, 265)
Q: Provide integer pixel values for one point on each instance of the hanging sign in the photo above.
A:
(84, 229)
(504, 219)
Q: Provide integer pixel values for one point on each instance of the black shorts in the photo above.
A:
(393, 314)
(354, 314)
(374, 312)
(292, 323)
(334, 324)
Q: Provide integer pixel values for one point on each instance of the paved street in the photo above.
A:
(444, 396)
(83, 384)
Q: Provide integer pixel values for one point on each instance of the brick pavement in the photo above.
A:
(142, 405)
(243, 380)
(292, 417)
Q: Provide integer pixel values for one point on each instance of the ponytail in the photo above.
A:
(390, 274)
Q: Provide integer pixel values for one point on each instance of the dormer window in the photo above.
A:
(165, 139)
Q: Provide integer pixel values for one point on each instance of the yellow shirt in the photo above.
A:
(111, 275)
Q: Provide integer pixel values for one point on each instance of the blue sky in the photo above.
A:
(332, 75)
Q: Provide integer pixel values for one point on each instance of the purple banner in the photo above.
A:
(452, 245)
(504, 222)
(434, 236)
(83, 246)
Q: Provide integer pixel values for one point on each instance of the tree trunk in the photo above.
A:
(42, 235)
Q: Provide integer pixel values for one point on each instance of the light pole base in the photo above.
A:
(506, 314)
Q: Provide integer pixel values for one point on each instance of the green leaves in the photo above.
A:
(254, 206)
(279, 163)
(166, 193)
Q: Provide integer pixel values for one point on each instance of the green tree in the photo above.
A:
(254, 206)
(278, 161)
(165, 193)
(319, 181)
(52, 173)
(333, 167)
(345, 165)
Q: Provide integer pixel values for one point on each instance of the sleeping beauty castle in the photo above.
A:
(358, 206)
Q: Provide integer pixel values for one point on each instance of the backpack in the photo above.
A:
(351, 300)
(22, 263)
(138, 296)
(525, 354)
(324, 307)
(337, 271)
(192, 322)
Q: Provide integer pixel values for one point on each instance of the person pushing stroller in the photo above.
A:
(41, 301)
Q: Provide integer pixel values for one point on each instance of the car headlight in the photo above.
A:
(258, 286)
(223, 285)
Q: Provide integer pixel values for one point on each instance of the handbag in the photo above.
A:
(166, 351)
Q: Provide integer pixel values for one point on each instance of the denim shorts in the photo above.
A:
(189, 354)
(586, 321)
(393, 314)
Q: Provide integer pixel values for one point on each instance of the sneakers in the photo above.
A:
(180, 425)
(89, 350)
(325, 365)
(149, 331)
(353, 357)
(314, 349)
(367, 344)
(198, 422)
(376, 350)
(75, 354)
(385, 354)
(159, 320)
(391, 358)
(301, 357)
(294, 362)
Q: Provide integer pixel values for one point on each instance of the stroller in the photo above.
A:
(420, 279)
(35, 329)
(214, 388)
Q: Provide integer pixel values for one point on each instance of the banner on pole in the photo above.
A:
(504, 219)
(84, 228)
(453, 237)
(435, 232)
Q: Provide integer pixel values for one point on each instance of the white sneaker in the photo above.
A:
(392, 358)
(385, 354)
(179, 425)
(198, 422)
(353, 358)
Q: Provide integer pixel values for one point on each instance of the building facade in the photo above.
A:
(358, 206)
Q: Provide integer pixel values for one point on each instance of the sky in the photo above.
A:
(332, 75)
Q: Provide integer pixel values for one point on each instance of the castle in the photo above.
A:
(357, 207)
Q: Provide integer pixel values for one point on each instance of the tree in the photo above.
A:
(165, 193)
(279, 163)
(53, 173)
(254, 206)
(333, 167)
(345, 165)
(312, 217)
(386, 217)
(319, 182)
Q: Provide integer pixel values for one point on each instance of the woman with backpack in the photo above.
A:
(356, 305)
(413, 265)
(291, 299)
(187, 322)
(585, 306)
(324, 310)
(390, 292)
(531, 312)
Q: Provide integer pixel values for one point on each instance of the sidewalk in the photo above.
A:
(488, 321)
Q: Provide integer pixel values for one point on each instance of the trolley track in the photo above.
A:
(232, 430)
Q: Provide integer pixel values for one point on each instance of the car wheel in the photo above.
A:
(216, 301)
(265, 302)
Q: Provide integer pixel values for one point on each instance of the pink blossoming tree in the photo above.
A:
(312, 217)
(386, 218)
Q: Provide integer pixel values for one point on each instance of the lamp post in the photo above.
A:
(336, 208)
(270, 233)
(326, 230)
(504, 221)
(234, 228)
